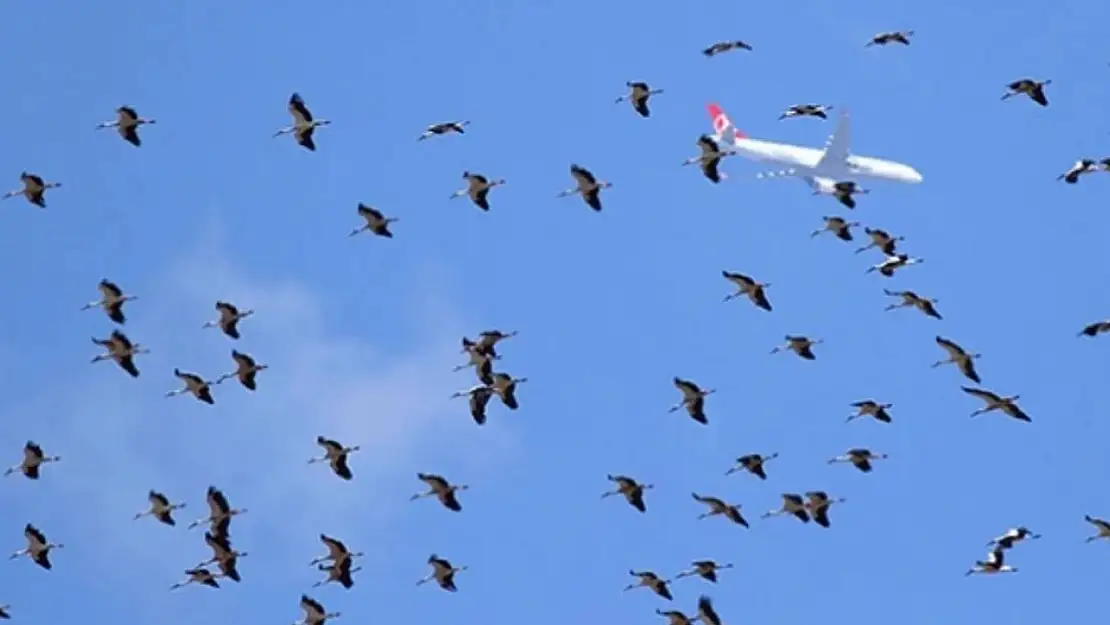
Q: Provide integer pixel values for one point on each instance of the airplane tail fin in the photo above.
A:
(722, 125)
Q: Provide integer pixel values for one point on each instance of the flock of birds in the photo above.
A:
(337, 565)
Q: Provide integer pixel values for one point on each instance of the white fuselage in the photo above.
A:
(805, 160)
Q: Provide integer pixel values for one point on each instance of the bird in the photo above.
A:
(246, 369)
(1082, 166)
(33, 459)
(719, 506)
(893, 263)
(588, 186)
(657, 584)
(995, 402)
(882, 39)
(204, 577)
(845, 191)
(705, 569)
(487, 341)
(34, 189)
(818, 505)
(909, 298)
(477, 189)
(376, 222)
(229, 319)
(314, 612)
(335, 454)
(220, 513)
(710, 158)
(860, 458)
(959, 356)
(111, 300)
(639, 95)
(725, 46)
(38, 548)
(838, 226)
(444, 128)
(806, 110)
(693, 399)
(504, 385)
(871, 408)
(441, 489)
(707, 615)
(746, 285)
(674, 617)
(304, 126)
(1101, 525)
(443, 572)
(195, 385)
(1027, 86)
(881, 239)
(127, 122)
(752, 463)
(792, 503)
(339, 572)
(630, 489)
(223, 556)
(4, 611)
(336, 551)
(995, 563)
(160, 508)
(480, 359)
(1012, 537)
(800, 345)
(121, 350)
(479, 398)
(1096, 328)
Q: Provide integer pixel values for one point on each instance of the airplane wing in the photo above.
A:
(838, 147)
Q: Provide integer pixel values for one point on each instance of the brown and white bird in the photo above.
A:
(200, 576)
(504, 386)
(752, 463)
(4, 611)
(881, 239)
(818, 503)
(639, 95)
(844, 192)
(1095, 329)
(127, 122)
(443, 572)
(725, 46)
(994, 402)
(893, 263)
(1012, 537)
(707, 614)
(871, 408)
(883, 39)
(160, 508)
(675, 617)
(806, 110)
(860, 458)
(220, 513)
(441, 489)
(911, 299)
(630, 489)
(792, 504)
(228, 321)
(477, 189)
(800, 345)
(650, 580)
(304, 125)
(710, 159)
(479, 397)
(314, 612)
(995, 563)
(839, 226)
(480, 359)
(444, 128)
(705, 569)
(960, 357)
(487, 341)
(120, 350)
(339, 572)
(376, 222)
(195, 385)
(335, 454)
(34, 189)
(1082, 166)
(693, 399)
(246, 369)
(224, 556)
(336, 551)
(111, 300)
(33, 459)
(588, 186)
(1101, 525)
(1027, 86)
(38, 548)
(746, 285)
(720, 507)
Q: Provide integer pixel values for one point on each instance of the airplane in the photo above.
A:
(820, 169)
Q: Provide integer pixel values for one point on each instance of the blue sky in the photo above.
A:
(361, 333)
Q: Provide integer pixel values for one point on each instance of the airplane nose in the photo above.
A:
(913, 176)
